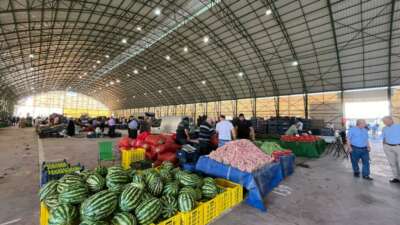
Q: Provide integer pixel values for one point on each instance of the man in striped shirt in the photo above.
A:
(206, 131)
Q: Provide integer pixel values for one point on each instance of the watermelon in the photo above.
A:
(115, 169)
(95, 182)
(166, 175)
(138, 181)
(189, 190)
(168, 165)
(169, 206)
(148, 211)
(186, 202)
(101, 170)
(99, 206)
(69, 180)
(209, 190)
(63, 215)
(52, 201)
(171, 189)
(48, 189)
(88, 222)
(85, 174)
(146, 196)
(209, 180)
(117, 188)
(118, 177)
(130, 198)
(74, 194)
(192, 180)
(155, 186)
(123, 218)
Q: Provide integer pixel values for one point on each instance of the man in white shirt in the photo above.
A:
(225, 130)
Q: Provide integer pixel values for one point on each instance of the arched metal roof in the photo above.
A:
(126, 55)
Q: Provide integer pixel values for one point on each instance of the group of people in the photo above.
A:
(223, 128)
(359, 147)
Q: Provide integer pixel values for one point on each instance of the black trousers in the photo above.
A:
(205, 148)
(132, 133)
(111, 131)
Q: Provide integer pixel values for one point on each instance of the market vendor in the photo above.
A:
(244, 129)
(292, 130)
(182, 131)
(226, 131)
(206, 132)
(133, 126)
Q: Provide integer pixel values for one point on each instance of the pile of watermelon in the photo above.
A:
(113, 196)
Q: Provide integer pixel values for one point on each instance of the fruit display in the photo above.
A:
(300, 138)
(123, 197)
(241, 154)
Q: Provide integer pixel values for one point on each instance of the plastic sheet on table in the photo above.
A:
(258, 184)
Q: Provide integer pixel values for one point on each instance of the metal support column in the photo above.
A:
(306, 106)
(276, 100)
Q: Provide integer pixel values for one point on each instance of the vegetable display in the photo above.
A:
(241, 154)
(120, 197)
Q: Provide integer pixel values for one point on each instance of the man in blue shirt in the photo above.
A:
(391, 146)
(133, 126)
(359, 147)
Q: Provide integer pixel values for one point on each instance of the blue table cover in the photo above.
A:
(258, 184)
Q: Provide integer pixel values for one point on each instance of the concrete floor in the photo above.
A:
(326, 193)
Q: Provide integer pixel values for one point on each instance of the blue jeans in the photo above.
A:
(222, 142)
(355, 156)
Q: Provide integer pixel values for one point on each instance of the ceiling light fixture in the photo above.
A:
(31, 56)
(295, 63)
(107, 56)
(94, 66)
(80, 77)
(206, 39)
(145, 67)
(133, 96)
(112, 82)
(138, 28)
(179, 87)
(32, 69)
(167, 57)
(117, 80)
(240, 74)
(135, 71)
(124, 41)
(157, 11)
(268, 12)
(185, 49)
(160, 91)
(98, 61)
(128, 75)
(203, 82)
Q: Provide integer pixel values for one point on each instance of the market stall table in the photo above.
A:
(305, 149)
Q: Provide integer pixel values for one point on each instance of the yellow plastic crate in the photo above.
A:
(194, 217)
(210, 210)
(131, 155)
(44, 214)
(236, 190)
(224, 200)
(175, 220)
